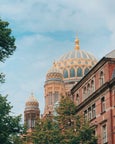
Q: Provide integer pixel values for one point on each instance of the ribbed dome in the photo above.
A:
(75, 64)
(54, 74)
(54, 70)
(31, 103)
(77, 54)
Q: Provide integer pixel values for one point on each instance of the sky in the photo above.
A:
(44, 31)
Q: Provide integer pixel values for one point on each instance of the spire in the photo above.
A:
(32, 94)
(54, 64)
(77, 47)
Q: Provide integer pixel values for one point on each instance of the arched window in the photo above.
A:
(101, 78)
(72, 72)
(29, 123)
(88, 89)
(77, 99)
(56, 96)
(50, 98)
(84, 92)
(92, 86)
(79, 72)
(65, 74)
(86, 71)
(33, 123)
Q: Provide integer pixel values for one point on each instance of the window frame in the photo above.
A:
(104, 134)
(103, 105)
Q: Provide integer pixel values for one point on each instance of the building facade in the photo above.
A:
(94, 96)
(31, 112)
(65, 73)
(91, 85)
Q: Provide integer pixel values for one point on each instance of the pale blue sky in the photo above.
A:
(45, 30)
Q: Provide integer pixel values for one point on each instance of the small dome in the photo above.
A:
(53, 70)
(31, 103)
(54, 74)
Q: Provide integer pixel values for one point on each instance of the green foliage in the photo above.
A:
(7, 44)
(64, 128)
(46, 132)
(9, 125)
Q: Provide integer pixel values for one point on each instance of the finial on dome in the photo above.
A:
(32, 94)
(54, 64)
(77, 47)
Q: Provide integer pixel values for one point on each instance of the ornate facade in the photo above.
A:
(65, 73)
(91, 85)
(31, 113)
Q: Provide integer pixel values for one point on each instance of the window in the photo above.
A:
(79, 72)
(50, 98)
(86, 71)
(72, 72)
(33, 123)
(94, 132)
(104, 134)
(89, 113)
(101, 78)
(29, 123)
(56, 96)
(93, 111)
(103, 104)
(72, 97)
(84, 92)
(77, 99)
(92, 86)
(85, 115)
(65, 74)
(88, 89)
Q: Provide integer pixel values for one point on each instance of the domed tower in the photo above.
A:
(32, 112)
(54, 89)
(74, 65)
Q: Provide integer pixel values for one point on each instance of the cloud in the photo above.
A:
(44, 31)
(53, 16)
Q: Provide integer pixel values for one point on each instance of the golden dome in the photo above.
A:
(31, 103)
(75, 64)
(54, 74)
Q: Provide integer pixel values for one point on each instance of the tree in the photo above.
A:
(75, 129)
(10, 126)
(7, 43)
(65, 127)
(46, 132)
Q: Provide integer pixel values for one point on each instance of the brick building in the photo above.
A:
(94, 96)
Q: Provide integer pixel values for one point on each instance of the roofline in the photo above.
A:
(102, 61)
(107, 85)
